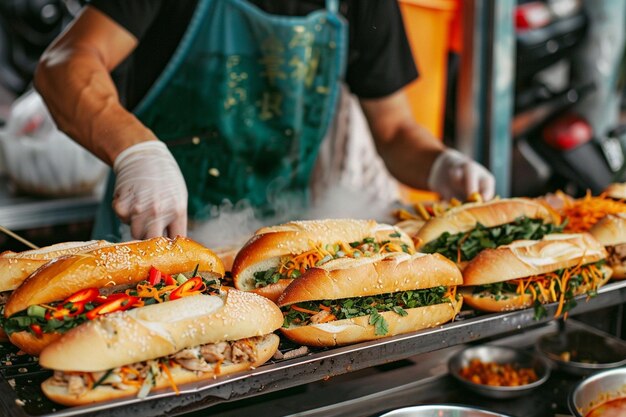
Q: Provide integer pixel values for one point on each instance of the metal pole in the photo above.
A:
(486, 87)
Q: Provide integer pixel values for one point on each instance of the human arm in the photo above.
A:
(73, 78)
(416, 158)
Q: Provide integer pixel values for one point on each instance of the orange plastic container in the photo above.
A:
(430, 27)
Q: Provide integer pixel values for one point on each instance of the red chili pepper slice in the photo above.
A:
(154, 276)
(36, 329)
(102, 299)
(61, 312)
(117, 304)
(83, 296)
(169, 280)
(192, 286)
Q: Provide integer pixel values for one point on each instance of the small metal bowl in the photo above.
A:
(500, 355)
(441, 410)
(597, 389)
(587, 352)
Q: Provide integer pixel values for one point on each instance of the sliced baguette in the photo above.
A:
(358, 329)
(264, 351)
(15, 267)
(610, 230)
(490, 214)
(161, 329)
(265, 249)
(616, 191)
(379, 274)
(526, 258)
(508, 301)
(119, 264)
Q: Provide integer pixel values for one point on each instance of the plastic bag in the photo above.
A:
(40, 159)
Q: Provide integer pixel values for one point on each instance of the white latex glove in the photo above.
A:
(150, 192)
(456, 175)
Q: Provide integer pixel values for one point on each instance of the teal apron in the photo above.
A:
(243, 106)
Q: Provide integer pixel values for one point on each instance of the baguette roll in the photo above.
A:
(113, 265)
(379, 274)
(509, 300)
(110, 269)
(15, 267)
(265, 349)
(358, 329)
(486, 301)
(161, 329)
(525, 258)
(531, 273)
(382, 280)
(611, 232)
(32, 344)
(616, 191)
(270, 245)
(490, 214)
(192, 339)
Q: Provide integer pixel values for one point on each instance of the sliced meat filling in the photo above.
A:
(204, 358)
(617, 254)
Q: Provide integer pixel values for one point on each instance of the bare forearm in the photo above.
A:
(410, 153)
(84, 102)
(407, 149)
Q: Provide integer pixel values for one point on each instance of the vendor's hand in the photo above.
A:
(150, 191)
(456, 175)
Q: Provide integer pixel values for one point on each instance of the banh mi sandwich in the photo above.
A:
(616, 191)
(352, 300)
(15, 267)
(463, 231)
(611, 232)
(276, 255)
(70, 290)
(161, 346)
(530, 273)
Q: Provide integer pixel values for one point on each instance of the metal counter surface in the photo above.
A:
(422, 379)
(18, 212)
(26, 398)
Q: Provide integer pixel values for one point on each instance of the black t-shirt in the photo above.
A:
(379, 57)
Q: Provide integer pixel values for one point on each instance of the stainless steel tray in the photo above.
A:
(26, 399)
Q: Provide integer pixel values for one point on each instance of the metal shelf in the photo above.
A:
(318, 365)
(25, 212)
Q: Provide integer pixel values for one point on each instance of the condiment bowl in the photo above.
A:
(597, 389)
(441, 410)
(500, 355)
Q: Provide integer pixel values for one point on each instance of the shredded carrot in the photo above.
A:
(552, 287)
(90, 380)
(303, 310)
(451, 293)
(129, 370)
(149, 291)
(310, 258)
(323, 307)
(583, 213)
(458, 251)
(564, 278)
(169, 377)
